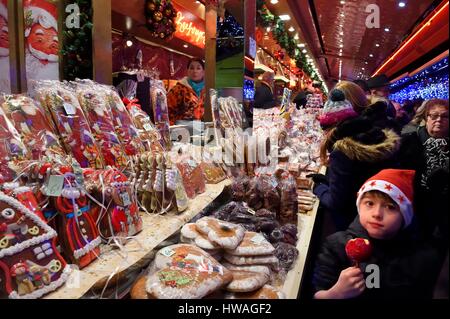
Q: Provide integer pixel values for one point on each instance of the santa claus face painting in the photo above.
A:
(43, 44)
(4, 37)
(4, 49)
(41, 36)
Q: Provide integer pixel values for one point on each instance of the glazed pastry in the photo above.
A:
(253, 244)
(266, 292)
(246, 281)
(224, 234)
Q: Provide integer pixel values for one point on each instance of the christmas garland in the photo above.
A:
(77, 45)
(266, 19)
(160, 18)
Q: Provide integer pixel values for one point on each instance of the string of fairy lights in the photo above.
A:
(427, 84)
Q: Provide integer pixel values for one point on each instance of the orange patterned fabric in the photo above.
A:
(184, 104)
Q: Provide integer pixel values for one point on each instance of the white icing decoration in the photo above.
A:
(49, 232)
(83, 251)
(22, 189)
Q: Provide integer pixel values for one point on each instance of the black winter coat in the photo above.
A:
(431, 198)
(408, 264)
(351, 163)
(264, 97)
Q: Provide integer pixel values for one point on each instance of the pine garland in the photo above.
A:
(266, 19)
(160, 18)
(77, 44)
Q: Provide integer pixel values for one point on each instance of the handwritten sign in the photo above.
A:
(190, 28)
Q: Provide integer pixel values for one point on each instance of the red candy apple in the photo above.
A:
(358, 249)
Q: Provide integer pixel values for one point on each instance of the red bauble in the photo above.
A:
(358, 249)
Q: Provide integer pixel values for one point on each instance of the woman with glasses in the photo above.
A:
(426, 151)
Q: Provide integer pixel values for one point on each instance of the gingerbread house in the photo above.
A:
(30, 265)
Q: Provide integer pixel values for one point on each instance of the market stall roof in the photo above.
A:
(327, 26)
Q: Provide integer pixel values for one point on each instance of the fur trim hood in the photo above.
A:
(369, 153)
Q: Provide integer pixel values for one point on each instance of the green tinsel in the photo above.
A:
(266, 19)
(77, 44)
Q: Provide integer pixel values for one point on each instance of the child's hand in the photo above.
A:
(350, 284)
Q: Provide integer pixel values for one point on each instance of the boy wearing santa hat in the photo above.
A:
(408, 263)
(4, 49)
(42, 44)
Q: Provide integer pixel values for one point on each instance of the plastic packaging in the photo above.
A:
(192, 175)
(161, 112)
(112, 188)
(288, 199)
(95, 106)
(123, 123)
(185, 272)
(71, 122)
(29, 119)
(12, 149)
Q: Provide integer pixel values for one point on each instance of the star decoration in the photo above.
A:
(401, 199)
(388, 187)
(373, 183)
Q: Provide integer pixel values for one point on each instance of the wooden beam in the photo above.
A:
(210, 57)
(17, 72)
(102, 41)
(61, 6)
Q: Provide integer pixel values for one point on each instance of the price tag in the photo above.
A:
(69, 108)
(55, 185)
(125, 199)
(252, 48)
(167, 252)
(147, 127)
(78, 171)
(192, 163)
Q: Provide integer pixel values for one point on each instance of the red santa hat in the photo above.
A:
(43, 12)
(398, 185)
(4, 9)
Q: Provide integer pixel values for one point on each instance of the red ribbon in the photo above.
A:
(131, 103)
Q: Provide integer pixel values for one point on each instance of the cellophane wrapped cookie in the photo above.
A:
(288, 199)
(192, 175)
(161, 112)
(214, 173)
(123, 123)
(96, 109)
(12, 149)
(29, 119)
(268, 186)
(121, 219)
(68, 116)
(185, 272)
(239, 188)
(147, 131)
(77, 231)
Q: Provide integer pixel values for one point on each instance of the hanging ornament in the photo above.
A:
(151, 6)
(168, 12)
(160, 18)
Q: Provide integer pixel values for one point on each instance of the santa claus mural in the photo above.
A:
(4, 48)
(41, 40)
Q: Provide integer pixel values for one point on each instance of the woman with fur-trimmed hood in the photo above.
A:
(354, 149)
